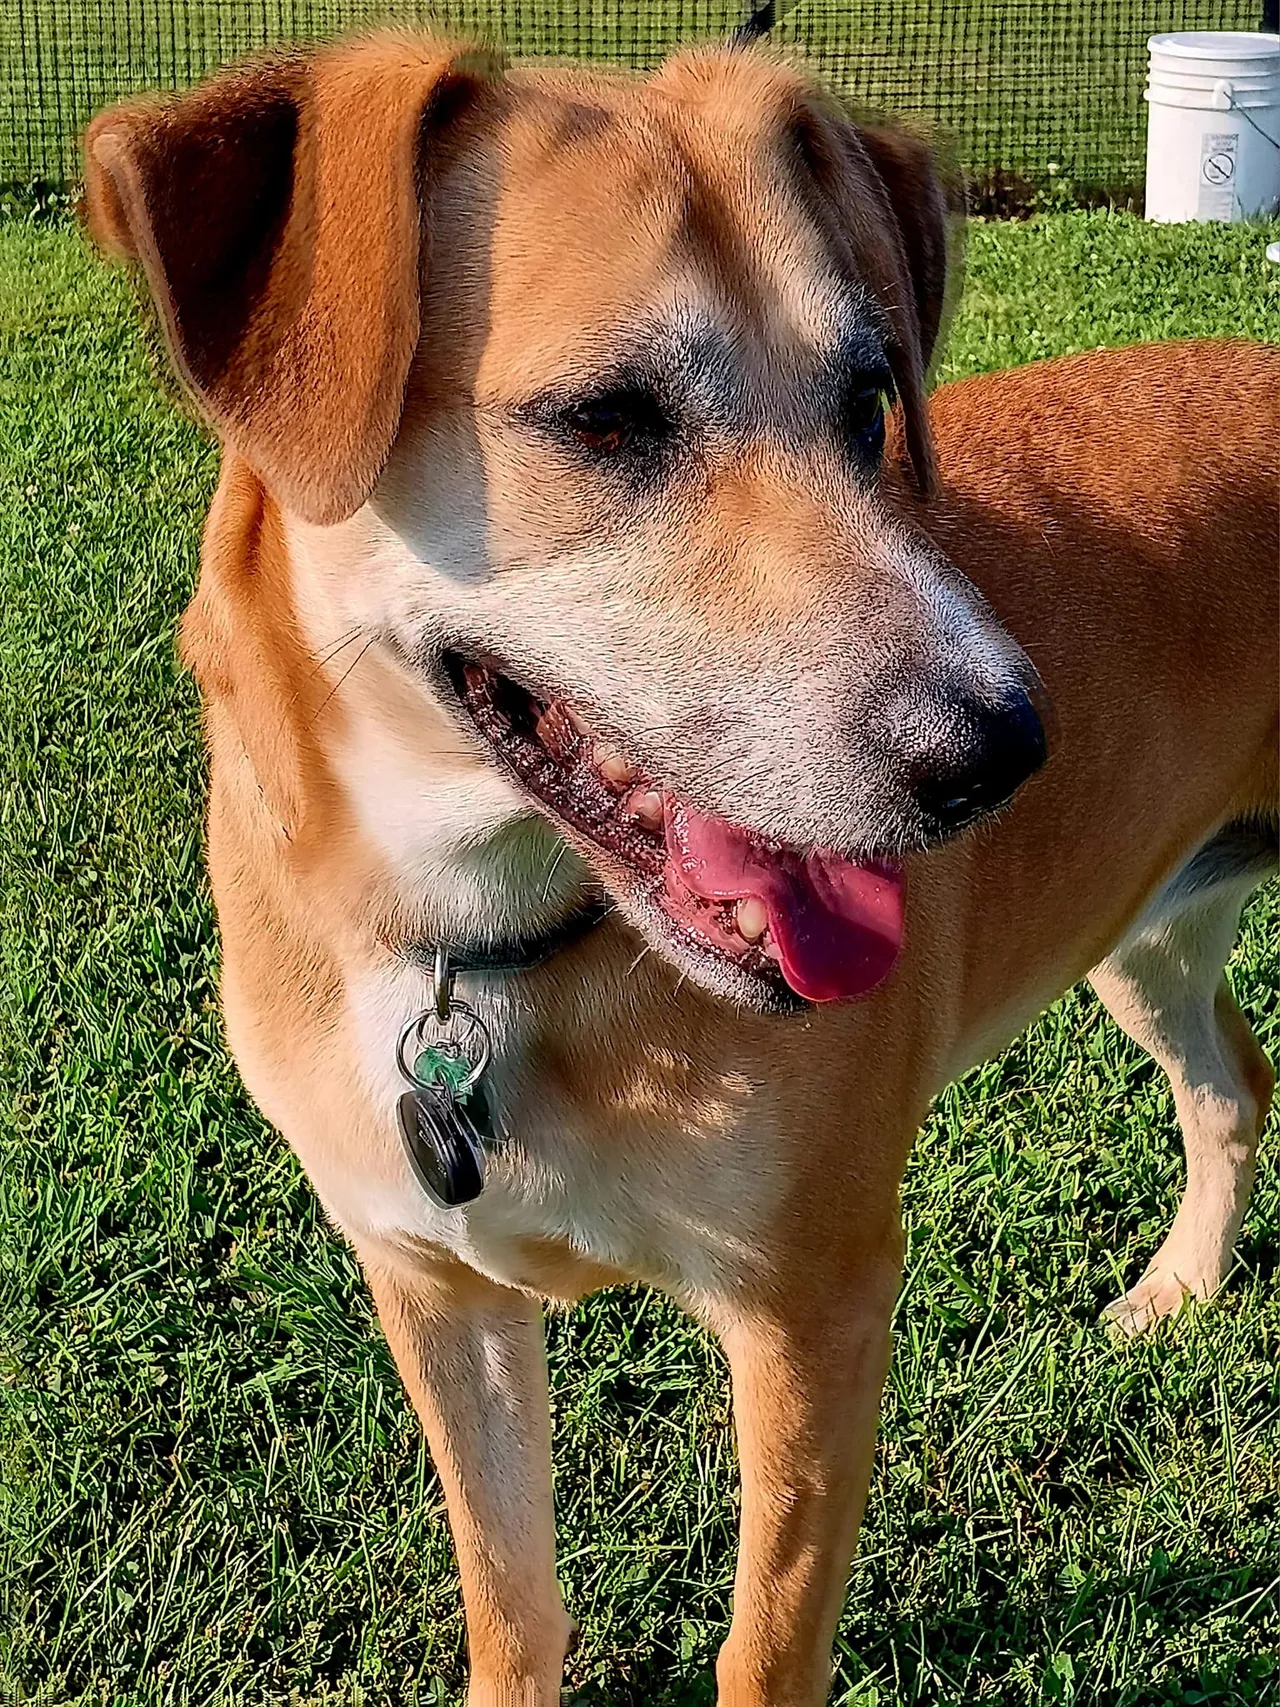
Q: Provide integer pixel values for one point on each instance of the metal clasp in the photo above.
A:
(474, 1045)
(442, 985)
(448, 1024)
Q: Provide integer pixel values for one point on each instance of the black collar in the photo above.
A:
(512, 954)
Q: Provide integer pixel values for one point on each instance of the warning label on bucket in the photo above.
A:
(1217, 198)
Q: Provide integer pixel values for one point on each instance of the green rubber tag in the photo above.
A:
(444, 1067)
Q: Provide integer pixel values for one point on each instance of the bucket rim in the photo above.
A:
(1187, 76)
(1194, 100)
(1216, 44)
(1259, 90)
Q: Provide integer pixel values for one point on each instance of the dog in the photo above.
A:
(654, 749)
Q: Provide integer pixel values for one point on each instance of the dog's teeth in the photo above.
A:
(613, 767)
(573, 717)
(645, 807)
(751, 918)
(556, 732)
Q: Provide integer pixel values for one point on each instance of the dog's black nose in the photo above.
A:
(995, 755)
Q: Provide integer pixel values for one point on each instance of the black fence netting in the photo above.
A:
(1032, 94)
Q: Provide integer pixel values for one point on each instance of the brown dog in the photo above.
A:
(557, 547)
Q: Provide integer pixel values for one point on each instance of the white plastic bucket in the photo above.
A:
(1213, 125)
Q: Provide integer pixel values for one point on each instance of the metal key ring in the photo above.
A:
(476, 1029)
(442, 992)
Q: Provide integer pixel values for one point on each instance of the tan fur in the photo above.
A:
(333, 212)
(1164, 986)
(1116, 511)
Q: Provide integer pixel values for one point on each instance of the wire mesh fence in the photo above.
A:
(1033, 92)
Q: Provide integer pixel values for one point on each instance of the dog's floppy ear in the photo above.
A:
(891, 209)
(922, 209)
(277, 215)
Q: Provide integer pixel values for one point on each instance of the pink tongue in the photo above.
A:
(836, 924)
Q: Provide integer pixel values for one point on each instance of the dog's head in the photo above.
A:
(572, 390)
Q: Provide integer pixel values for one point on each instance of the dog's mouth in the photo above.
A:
(827, 926)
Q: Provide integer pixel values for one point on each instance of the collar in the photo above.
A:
(510, 954)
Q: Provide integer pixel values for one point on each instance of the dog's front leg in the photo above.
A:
(807, 1377)
(473, 1358)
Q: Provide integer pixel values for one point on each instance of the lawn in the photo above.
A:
(211, 1486)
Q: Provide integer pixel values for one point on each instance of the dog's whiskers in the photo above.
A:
(342, 678)
(639, 957)
(553, 865)
(343, 641)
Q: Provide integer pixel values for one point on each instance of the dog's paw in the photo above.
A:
(1158, 1295)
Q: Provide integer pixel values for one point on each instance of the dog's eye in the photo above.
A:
(864, 420)
(617, 421)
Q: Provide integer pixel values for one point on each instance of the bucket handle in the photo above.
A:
(1224, 91)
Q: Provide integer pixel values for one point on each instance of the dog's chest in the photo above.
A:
(607, 1162)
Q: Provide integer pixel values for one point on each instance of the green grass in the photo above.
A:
(1025, 89)
(211, 1486)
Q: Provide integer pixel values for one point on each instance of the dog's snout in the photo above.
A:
(990, 755)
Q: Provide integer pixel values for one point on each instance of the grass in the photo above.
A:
(212, 1490)
(1026, 89)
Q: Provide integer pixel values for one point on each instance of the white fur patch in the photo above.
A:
(551, 1175)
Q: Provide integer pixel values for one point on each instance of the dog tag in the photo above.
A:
(444, 1141)
(444, 1116)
